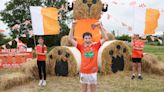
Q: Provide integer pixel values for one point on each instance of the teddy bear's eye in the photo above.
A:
(50, 56)
(111, 52)
(59, 52)
(94, 1)
(67, 55)
(118, 47)
(124, 50)
(84, 1)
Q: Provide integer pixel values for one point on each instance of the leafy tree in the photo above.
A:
(124, 38)
(17, 12)
(3, 39)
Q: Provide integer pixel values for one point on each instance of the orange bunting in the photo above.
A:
(1, 30)
(133, 3)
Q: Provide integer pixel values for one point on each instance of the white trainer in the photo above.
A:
(40, 82)
(44, 83)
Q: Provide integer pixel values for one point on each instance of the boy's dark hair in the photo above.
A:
(87, 34)
(41, 38)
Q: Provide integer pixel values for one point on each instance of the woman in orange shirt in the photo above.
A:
(137, 54)
(41, 51)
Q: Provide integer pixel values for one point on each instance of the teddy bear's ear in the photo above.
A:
(84, 1)
(70, 6)
(105, 8)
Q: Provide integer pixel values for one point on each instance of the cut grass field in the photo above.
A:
(119, 82)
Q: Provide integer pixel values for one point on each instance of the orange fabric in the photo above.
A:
(39, 49)
(89, 65)
(152, 16)
(84, 25)
(50, 21)
(137, 53)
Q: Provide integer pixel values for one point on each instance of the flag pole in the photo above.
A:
(34, 40)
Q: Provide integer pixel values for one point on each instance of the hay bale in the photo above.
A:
(65, 42)
(110, 36)
(113, 56)
(30, 68)
(13, 79)
(82, 11)
(59, 55)
(150, 64)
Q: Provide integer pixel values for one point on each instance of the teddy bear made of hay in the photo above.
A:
(87, 9)
(113, 56)
(87, 13)
(63, 61)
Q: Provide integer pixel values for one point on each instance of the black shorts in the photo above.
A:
(136, 60)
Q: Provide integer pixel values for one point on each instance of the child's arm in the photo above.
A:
(70, 36)
(141, 46)
(104, 34)
(39, 53)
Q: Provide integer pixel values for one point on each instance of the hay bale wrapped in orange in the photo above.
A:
(113, 56)
(87, 12)
(63, 61)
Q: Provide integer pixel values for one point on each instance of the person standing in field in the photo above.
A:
(41, 51)
(89, 51)
(137, 54)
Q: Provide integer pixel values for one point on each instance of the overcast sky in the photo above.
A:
(121, 12)
(124, 13)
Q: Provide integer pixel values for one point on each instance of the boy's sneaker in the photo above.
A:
(40, 83)
(133, 77)
(44, 83)
(140, 77)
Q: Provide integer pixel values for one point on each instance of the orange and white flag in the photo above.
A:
(44, 20)
(145, 20)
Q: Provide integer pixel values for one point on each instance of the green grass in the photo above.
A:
(156, 50)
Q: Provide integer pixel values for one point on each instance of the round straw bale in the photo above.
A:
(65, 42)
(68, 58)
(113, 56)
(110, 36)
(30, 68)
(13, 79)
(151, 64)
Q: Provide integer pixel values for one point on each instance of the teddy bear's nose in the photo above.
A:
(89, 5)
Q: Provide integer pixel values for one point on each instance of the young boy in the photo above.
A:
(137, 54)
(41, 51)
(89, 50)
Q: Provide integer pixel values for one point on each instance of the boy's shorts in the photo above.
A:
(136, 60)
(88, 78)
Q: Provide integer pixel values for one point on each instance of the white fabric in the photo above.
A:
(88, 78)
(37, 20)
(139, 21)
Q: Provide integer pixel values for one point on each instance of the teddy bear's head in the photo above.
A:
(87, 9)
